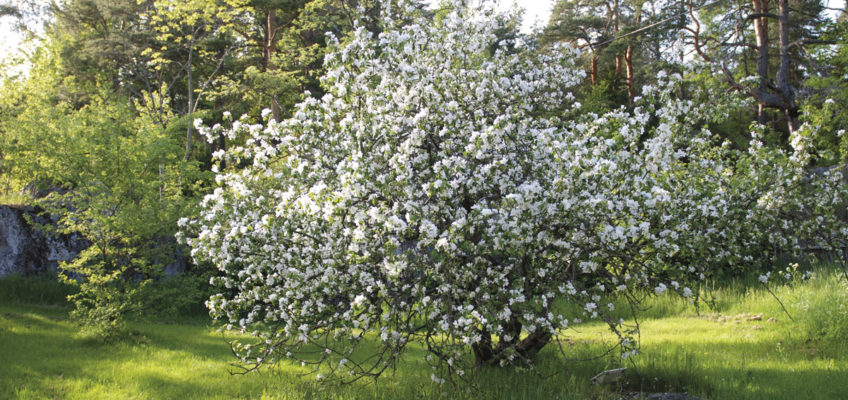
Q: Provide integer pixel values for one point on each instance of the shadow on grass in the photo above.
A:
(42, 356)
(740, 370)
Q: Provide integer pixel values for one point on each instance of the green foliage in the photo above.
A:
(826, 106)
(121, 184)
(104, 300)
(13, 198)
(736, 126)
(618, 55)
(175, 297)
(125, 200)
(269, 71)
(104, 122)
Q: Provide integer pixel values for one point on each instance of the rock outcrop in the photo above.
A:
(26, 250)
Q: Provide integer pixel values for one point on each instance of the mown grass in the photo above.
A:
(731, 352)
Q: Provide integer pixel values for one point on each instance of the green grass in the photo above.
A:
(14, 198)
(45, 358)
(732, 352)
(43, 290)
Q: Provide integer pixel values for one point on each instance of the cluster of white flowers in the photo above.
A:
(447, 190)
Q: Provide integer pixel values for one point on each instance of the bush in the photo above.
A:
(176, 296)
(449, 191)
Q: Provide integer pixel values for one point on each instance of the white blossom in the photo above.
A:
(447, 188)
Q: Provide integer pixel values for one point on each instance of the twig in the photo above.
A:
(779, 302)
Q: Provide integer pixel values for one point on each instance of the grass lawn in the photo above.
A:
(731, 352)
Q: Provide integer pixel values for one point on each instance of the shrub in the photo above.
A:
(449, 191)
(176, 296)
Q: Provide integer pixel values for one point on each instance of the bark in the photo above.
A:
(514, 331)
(188, 107)
(787, 92)
(269, 48)
(628, 63)
(485, 354)
(761, 33)
(615, 28)
(780, 95)
(533, 343)
(628, 73)
(594, 72)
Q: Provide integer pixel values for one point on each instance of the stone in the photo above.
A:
(670, 396)
(609, 376)
(25, 250)
(755, 317)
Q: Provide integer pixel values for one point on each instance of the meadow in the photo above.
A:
(744, 346)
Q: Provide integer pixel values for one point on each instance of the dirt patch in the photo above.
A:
(736, 319)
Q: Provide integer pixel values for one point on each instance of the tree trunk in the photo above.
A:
(628, 62)
(533, 343)
(268, 49)
(628, 66)
(513, 329)
(485, 354)
(781, 95)
(594, 71)
(761, 34)
(787, 92)
(615, 27)
(188, 106)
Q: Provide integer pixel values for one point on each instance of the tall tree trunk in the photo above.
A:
(628, 62)
(594, 71)
(762, 37)
(190, 102)
(618, 65)
(628, 73)
(615, 27)
(269, 47)
(780, 96)
(787, 92)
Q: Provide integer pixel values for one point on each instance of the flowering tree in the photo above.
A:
(447, 191)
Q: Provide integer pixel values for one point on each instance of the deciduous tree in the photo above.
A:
(447, 191)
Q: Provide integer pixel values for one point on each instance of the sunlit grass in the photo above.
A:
(168, 361)
(731, 352)
(14, 198)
